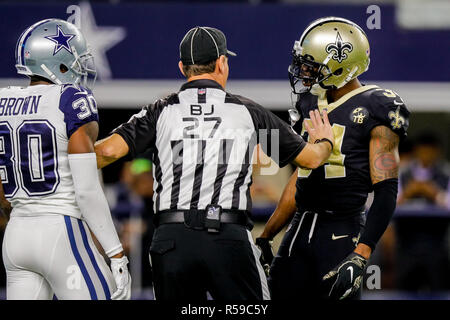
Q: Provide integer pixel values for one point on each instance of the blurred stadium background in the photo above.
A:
(135, 45)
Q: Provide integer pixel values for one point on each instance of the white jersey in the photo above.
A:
(36, 123)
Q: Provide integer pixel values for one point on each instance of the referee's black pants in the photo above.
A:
(313, 245)
(187, 263)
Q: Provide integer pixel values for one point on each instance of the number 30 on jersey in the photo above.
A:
(28, 158)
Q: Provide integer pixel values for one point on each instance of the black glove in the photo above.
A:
(265, 246)
(346, 277)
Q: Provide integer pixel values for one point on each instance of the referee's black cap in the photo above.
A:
(201, 45)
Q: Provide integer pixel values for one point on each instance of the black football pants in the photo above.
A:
(312, 246)
(187, 263)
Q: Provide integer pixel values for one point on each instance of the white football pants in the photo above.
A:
(49, 255)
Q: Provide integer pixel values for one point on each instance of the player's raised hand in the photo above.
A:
(122, 278)
(320, 127)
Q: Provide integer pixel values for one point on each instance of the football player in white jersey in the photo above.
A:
(49, 175)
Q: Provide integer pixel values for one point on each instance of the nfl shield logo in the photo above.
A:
(27, 55)
(202, 91)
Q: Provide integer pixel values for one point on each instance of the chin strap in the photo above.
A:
(349, 76)
(50, 74)
(328, 58)
(317, 90)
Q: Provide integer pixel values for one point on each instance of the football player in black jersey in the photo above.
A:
(330, 237)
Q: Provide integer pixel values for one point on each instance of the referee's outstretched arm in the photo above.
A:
(114, 147)
(110, 149)
(313, 154)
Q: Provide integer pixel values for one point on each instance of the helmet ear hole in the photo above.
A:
(337, 72)
(63, 68)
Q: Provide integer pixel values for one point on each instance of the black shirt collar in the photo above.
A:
(201, 83)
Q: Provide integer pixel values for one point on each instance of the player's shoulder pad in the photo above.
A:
(78, 105)
(73, 91)
(389, 109)
(73, 97)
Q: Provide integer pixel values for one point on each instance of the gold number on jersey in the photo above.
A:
(389, 93)
(334, 167)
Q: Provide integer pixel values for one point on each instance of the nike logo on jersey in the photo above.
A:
(333, 237)
(398, 103)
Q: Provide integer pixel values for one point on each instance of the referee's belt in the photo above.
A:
(196, 218)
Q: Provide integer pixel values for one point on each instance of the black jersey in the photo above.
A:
(343, 182)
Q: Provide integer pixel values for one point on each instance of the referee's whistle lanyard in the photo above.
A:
(311, 231)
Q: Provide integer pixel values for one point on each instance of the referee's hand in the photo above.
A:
(319, 128)
(266, 253)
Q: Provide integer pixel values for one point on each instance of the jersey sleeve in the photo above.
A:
(388, 109)
(78, 106)
(140, 131)
(277, 139)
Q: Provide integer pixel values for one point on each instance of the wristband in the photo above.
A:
(325, 140)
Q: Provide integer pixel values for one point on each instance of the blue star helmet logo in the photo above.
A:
(62, 40)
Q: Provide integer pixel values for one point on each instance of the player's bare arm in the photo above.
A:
(384, 157)
(284, 211)
(384, 162)
(321, 135)
(110, 149)
(82, 140)
(5, 205)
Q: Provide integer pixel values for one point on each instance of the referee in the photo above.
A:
(202, 140)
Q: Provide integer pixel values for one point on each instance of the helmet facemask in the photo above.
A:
(80, 72)
(307, 75)
(84, 68)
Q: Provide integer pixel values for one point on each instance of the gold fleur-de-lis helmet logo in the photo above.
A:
(339, 49)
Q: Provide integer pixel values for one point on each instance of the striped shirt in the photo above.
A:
(202, 141)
